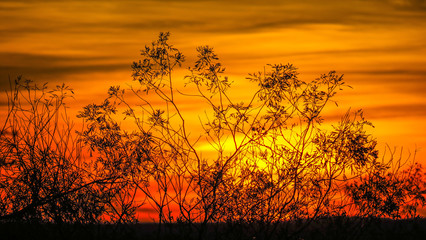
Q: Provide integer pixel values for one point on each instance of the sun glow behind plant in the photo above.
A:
(196, 141)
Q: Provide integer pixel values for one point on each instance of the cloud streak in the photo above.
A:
(416, 110)
(204, 16)
(51, 67)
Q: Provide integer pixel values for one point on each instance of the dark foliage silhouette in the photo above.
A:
(266, 168)
(389, 192)
(42, 178)
(271, 160)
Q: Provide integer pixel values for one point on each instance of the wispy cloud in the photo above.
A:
(50, 67)
(416, 110)
(204, 16)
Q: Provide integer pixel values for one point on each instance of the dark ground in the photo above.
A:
(329, 228)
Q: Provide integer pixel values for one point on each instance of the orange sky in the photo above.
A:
(380, 46)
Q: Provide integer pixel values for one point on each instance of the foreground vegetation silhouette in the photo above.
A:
(265, 168)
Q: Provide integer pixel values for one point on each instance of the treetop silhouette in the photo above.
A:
(284, 164)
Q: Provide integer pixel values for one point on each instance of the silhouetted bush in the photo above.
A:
(272, 161)
(273, 168)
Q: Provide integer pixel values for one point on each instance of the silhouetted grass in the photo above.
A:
(325, 228)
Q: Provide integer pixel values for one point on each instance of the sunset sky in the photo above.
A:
(379, 45)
